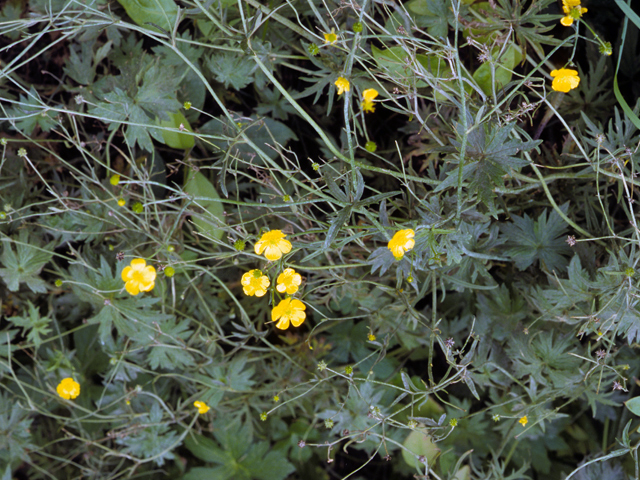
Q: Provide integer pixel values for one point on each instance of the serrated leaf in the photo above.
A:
(205, 195)
(31, 112)
(381, 258)
(33, 325)
(231, 69)
(540, 240)
(25, 264)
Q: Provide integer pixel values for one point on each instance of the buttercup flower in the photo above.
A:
(572, 10)
(565, 79)
(342, 84)
(289, 281)
(524, 420)
(401, 243)
(288, 310)
(331, 37)
(139, 277)
(254, 282)
(368, 95)
(68, 388)
(114, 180)
(202, 407)
(273, 244)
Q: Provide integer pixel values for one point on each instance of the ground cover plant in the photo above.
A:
(319, 239)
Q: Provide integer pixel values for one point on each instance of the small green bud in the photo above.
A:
(453, 422)
(58, 283)
(410, 278)
(3, 141)
(315, 166)
(357, 27)
(239, 245)
(328, 423)
(171, 248)
(348, 369)
(322, 366)
(496, 418)
(286, 198)
(276, 398)
(370, 146)
(22, 152)
(629, 272)
(187, 105)
(3, 215)
(412, 424)
(169, 272)
(605, 49)
(137, 207)
(313, 49)
(114, 180)
(263, 416)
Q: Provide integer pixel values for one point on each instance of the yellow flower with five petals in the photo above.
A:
(289, 281)
(572, 10)
(254, 282)
(68, 388)
(273, 244)
(138, 277)
(401, 243)
(289, 310)
(565, 79)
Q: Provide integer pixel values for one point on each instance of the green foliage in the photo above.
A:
(506, 334)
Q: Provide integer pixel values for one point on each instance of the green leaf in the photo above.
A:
(31, 112)
(237, 457)
(633, 405)
(541, 240)
(179, 140)
(161, 12)
(168, 349)
(33, 325)
(25, 264)
(15, 434)
(204, 194)
(79, 63)
(502, 69)
(232, 70)
(418, 444)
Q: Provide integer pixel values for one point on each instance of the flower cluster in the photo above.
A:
(255, 283)
(572, 11)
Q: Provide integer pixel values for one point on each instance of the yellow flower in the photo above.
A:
(523, 421)
(342, 84)
(371, 337)
(68, 388)
(331, 37)
(401, 243)
(289, 281)
(201, 406)
(254, 282)
(114, 180)
(369, 95)
(288, 310)
(273, 244)
(573, 11)
(122, 202)
(565, 79)
(139, 277)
